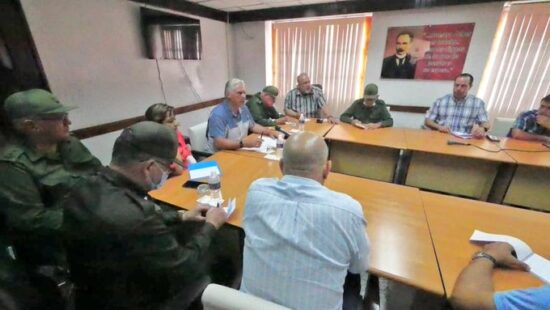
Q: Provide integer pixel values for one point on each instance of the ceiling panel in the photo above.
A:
(248, 5)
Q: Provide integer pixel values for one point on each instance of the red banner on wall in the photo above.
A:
(432, 52)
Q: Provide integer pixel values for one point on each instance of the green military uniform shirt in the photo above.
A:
(31, 188)
(120, 251)
(262, 115)
(375, 114)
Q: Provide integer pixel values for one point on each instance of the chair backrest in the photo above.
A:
(197, 137)
(501, 126)
(217, 297)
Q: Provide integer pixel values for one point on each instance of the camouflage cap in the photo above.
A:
(371, 91)
(153, 139)
(33, 102)
(271, 90)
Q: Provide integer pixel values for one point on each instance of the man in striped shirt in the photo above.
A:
(307, 100)
(302, 238)
(459, 112)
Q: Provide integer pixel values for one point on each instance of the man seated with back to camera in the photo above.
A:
(303, 240)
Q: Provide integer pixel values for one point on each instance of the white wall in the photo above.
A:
(248, 45)
(93, 56)
(251, 66)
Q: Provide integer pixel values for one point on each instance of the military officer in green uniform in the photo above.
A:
(368, 112)
(38, 168)
(121, 252)
(262, 109)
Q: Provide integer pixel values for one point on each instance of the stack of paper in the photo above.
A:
(540, 266)
(462, 135)
(268, 145)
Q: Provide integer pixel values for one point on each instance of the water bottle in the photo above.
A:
(280, 145)
(301, 122)
(214, 185)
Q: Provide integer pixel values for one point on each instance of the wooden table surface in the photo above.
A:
(401, 246)
(432, 141)
(384, 137)
(312, 126)
(539, 159)
(452, 220)
(238, 172)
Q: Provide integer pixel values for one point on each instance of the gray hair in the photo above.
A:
(304, 154)
(232, 84)
(301, 75)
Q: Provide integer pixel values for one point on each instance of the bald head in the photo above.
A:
(305, 154)
(304, 84)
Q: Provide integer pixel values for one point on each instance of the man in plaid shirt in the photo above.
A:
(534, 125)
(459, 112)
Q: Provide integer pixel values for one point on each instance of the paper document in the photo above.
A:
(268, 145)
(462, 135)
(272, 157)
(203, 169)
(540, 266)
(231, 205)
(209, 201)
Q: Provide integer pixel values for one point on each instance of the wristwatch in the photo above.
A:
(482, 254)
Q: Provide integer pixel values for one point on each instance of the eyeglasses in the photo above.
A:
(163, 166)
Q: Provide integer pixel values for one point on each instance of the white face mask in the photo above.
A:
(162, 180)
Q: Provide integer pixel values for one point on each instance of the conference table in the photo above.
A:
(401, 248)
(530, 185)
(372, 154)
(464, 170)
(419, 158)
(452, 220)
(311, 126)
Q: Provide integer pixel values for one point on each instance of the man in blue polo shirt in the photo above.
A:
(474, 287)
(534, 125)
(230, 121)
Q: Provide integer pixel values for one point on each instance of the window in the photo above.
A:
(332, 51)
(170, 36)
(181, 41)
(517, 74)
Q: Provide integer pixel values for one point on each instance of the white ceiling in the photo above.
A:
(247, 5)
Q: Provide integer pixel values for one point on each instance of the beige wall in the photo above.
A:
(93, 56)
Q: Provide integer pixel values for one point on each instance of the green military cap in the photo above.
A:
(33, 102)
(153, 139)
(371, 91)
(271, 90)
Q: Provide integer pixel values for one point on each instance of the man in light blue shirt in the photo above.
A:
(474, 287)
(302, 238)
(230, 121)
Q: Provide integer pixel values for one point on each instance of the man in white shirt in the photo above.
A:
(302, 238)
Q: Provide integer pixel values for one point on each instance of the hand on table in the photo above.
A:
(373, 125)
(444, 129)
(478, 132)
(502, 253)
(194, 215)
(252, 141)
(216, 217)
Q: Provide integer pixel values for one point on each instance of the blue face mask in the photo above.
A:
(162, 180)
